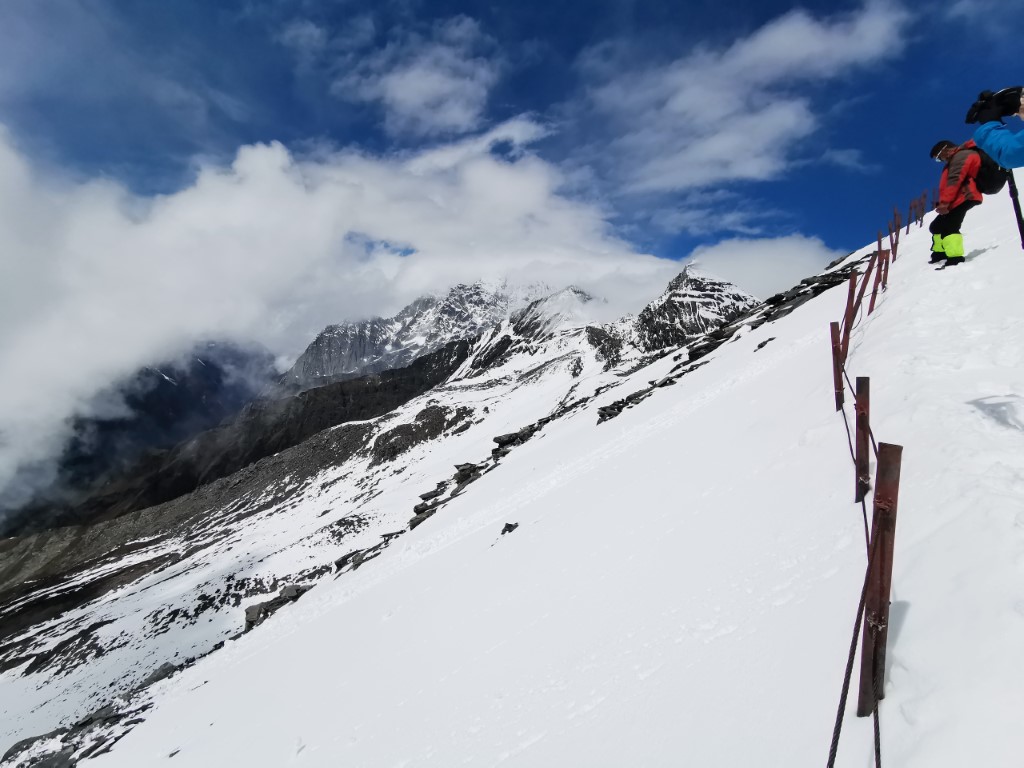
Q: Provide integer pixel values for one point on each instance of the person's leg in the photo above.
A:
(952, 240)
(937, 227)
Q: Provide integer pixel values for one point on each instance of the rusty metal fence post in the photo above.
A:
(837, 365)
(878, 279)
(848, 315)
(876, 607)
(852, 309)
(862, 406)
(897, 225)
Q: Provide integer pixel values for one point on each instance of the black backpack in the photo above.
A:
(991, 176)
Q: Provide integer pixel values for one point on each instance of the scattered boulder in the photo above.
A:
(162, 672)
(62, 759)
(434, 493)
(421, 517)
(102, 715)
(344, 560)
(257, 614)
(509, 527)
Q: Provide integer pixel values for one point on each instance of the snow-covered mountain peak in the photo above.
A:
(692, 304)
(356, 348)
(564, 309)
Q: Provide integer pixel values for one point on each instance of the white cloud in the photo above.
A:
(428, 86)
(979, 10)
(95, 281)
(738, 112)
(306, 40)
(700, 220)
(851, 159)
(765, 266)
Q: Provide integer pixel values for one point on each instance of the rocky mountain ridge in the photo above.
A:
(351, 349)
(148, 412)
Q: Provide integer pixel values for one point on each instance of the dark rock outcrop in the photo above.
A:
(260, 612)
(608, 346)
(429, 424)
(154, 409)
(426, 325)
(263, 429)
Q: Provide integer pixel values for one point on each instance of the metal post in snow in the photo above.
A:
(897, 225)
(848, 317)
(862, 444)
(885, 272)
(878, 280)
(887, 492)
(837, 364)
(876, 606)
(852, 311)
(866, 700)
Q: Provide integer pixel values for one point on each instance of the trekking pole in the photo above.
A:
(1016, 207)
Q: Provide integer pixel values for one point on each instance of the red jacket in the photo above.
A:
(957, 184)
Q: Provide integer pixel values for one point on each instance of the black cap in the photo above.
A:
(939, 147)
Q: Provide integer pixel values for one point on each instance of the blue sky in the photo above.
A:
(137, 91)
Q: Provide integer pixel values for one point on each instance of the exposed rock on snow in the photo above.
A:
(257, 613)
(430, 423)
(262, 429)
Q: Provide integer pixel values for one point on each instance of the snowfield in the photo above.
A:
(683, 581)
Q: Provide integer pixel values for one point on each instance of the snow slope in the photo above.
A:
(682, 584)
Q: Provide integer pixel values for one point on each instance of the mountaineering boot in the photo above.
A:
(937, 253)
(953, 245)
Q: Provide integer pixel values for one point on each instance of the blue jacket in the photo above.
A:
(1000, 144)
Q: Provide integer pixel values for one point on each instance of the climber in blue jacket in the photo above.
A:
(998, 142)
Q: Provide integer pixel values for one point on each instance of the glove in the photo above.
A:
(993, 107)
(942, 209)
(1010, 100)
(985, 110)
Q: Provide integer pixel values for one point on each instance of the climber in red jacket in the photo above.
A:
(958, 193)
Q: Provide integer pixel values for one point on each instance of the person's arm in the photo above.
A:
(999, 143)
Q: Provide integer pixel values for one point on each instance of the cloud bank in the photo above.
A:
(765, 266)
(734, 113)
(428, 82)
(95, 282)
